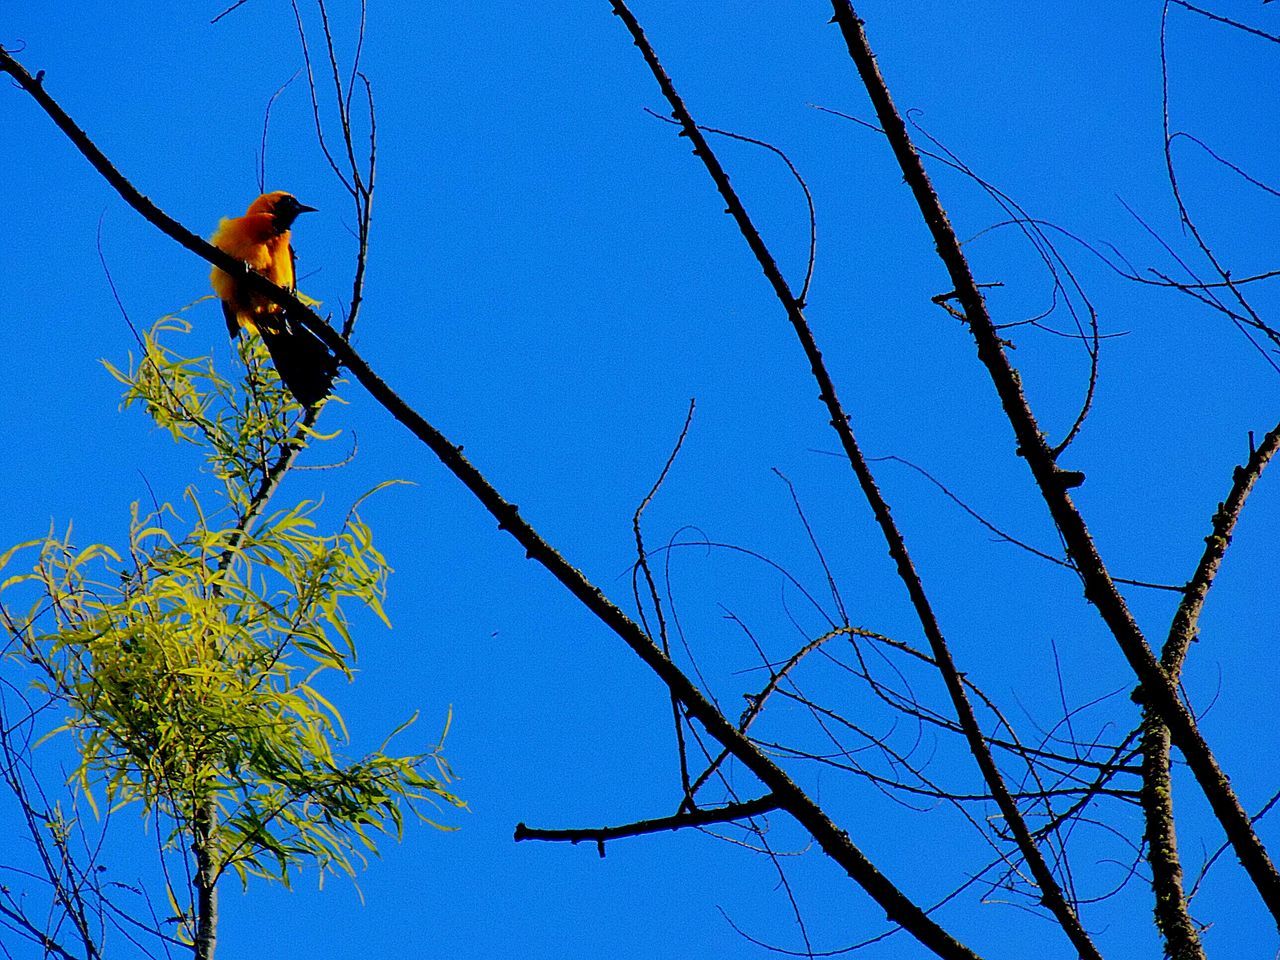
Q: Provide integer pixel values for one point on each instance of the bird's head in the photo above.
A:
(284, 208)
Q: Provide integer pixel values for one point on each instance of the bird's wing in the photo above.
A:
(233, 321)
(302, 361)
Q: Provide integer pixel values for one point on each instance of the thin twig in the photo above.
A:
(266, 127)
(803, 296)
(642, 563)
(235, 6)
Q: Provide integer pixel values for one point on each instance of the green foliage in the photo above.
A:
(240, 427)
(191, 665)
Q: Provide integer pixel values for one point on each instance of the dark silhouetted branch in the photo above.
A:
(1159, 690)
(1177, 927)
(695, 818)
(1227, 21)
(1054, 898)
(834, 841)
(655, 598)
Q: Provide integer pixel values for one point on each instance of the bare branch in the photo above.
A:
(703, 817)
(642, 563)
(790, 797)
(235, 6)
(795, 174)
(1172, 916)
(1227, 21)
(1053, 895)
(1158, 688)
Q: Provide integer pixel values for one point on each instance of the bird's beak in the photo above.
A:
(303, 208)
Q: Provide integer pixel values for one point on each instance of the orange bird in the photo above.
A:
(261, 239)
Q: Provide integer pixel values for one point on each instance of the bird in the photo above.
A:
(261, 239)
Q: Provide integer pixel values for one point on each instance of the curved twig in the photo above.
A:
(803, 296)
(655, 598)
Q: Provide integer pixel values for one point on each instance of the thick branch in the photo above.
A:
(1183, 629)
(203, 825)
(791, 798)
(695, 818)
(1182, 939)
(1052, 894)
(1159, 690)
(1175, 922)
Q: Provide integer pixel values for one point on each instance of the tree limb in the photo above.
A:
(1159, 690)
(834, 841)
(1172, 916)
(694, 818)
(1053, 896)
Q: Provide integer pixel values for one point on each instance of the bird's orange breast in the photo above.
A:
(255, 240)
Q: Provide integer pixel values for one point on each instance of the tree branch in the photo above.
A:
(695, 818)
(1159, 690)
(1053, 896)
(203, 825)
(1176, 925)
(834, 841)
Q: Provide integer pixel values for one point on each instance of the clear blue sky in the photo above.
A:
(552, 278)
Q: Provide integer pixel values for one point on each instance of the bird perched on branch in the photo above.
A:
(261, 239)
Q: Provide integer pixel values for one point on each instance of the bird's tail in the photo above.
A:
(302, 360)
